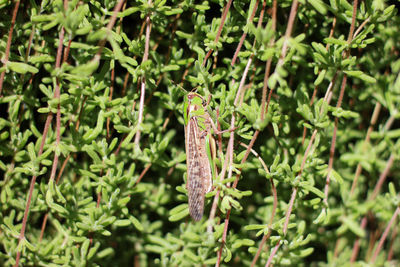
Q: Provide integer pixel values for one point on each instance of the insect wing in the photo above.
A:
(198, 169)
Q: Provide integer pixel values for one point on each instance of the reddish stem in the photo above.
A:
(223, 18)
(385, 233)
(316, 87)
(8, 47)
(391, 246)
(143, 79)
(377, 188)
(374, 118)
(31, 187)
(245, 34)
(273, 254)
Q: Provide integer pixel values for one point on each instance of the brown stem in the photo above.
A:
(353, 21)
(143, 79)
(392, 242)
(374, 118)
(245, 34)
(275, 204)
(377, 188)
(247, 151)
(338, 105)
(383, 176)
(223, 18)
(57, 95)
(385, 233)
(143, 173)
(55, 161)
(273, 254)
(110, 25)
(110, 98)
(31, 187)
(356, 245)
(268, 66)
(66, 50)
(288, 33)
(8, 47)
(243, 80)
(316, 87)
(227, 164)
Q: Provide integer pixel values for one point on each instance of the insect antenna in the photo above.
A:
(183, 89)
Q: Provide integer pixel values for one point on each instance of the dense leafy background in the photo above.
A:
(115, 203)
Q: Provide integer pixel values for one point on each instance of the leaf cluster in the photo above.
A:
(113, 201)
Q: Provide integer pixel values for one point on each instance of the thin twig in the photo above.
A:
(274, 193)
(392, 242)
(143, 79)
(229, 155)
(8, 47)
(227, 164)
(346, 54)
(243, 80)
(333, 142)
(383, 176)
(58, 117)
(44, 223)
(288, 33)
(327, 98)
(316, 87)
(374, 118)
(262, 114)
(230, 143)
(385, 233)
(377, 188)
(57, 95)
(273, 253)
(245, 33)
(244, 158)
(223, 18)
(360, 27)
(112, 81)
(55, 161)
(31, 187)
(110, 25)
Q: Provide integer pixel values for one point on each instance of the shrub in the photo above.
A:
(92, 137)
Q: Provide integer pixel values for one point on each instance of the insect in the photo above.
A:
(199, 144)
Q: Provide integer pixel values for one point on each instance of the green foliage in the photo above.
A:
(115, 203)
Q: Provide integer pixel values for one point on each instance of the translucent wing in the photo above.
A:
(198, 169)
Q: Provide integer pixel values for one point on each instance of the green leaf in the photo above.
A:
(360, 75)
(319, 6)
(170, 68)
(313, 189)
(41, 59)
(183, 35)
(331, 40)
(21, 68)
(254, 227)
(320, 77)
(354, 227)
(124, 222)
(243, 242)
(336, 176)
(136, 223)
(176, 216)
(188, 253)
